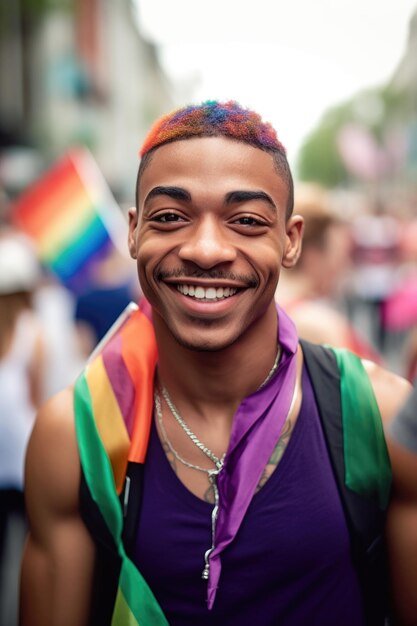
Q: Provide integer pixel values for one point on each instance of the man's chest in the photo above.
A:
(293, 531)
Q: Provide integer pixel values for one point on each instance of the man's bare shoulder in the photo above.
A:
(58, 562)
(52, 462)
(391, 390)
(320, 323)
(56, 413)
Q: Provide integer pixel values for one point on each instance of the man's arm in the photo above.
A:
(391, 393)
(58, 561)
(402, 533)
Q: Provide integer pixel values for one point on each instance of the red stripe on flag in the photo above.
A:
(45, 200)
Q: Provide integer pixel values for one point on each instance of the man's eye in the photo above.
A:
(248, 221)
(167, 217)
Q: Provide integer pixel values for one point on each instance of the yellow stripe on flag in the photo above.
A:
(68, 224)
(109, 420)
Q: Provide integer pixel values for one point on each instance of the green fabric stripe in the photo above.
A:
(122, 615)
(139, 596)
(94, 460)
(135, 602)
(367, 464)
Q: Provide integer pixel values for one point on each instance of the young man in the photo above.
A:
(236, 516)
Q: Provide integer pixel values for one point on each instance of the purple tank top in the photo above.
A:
(290, 563)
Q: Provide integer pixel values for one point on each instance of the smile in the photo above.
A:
(211, 293)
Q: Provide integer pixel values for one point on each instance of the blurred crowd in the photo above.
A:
(46, 334)
(355, 286)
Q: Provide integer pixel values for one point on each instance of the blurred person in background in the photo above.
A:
(53, 305)
(403, 427)
(155, 488)
(111, 287)
(376, 255)
(400, 308)
(312, 292)
(64, 356)
(22, 360)
(402, 436)
(409, 354)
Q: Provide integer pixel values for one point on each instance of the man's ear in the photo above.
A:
(133, 222)
(293, 244)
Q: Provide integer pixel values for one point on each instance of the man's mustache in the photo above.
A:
(250, 280)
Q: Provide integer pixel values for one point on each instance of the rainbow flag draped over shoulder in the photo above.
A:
(113, 404)
(71, 216)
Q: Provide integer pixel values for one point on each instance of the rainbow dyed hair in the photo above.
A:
(214, 119)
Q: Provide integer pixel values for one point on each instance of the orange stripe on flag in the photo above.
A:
(140, 355)
(69, 224)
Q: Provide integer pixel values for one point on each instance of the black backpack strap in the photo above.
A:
(364, 518)
(131, 500)
(107, 560)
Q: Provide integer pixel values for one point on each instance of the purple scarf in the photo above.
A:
(256, 429)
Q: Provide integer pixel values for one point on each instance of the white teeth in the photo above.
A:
(211, 293)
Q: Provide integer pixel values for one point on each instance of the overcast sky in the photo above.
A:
(289, 60)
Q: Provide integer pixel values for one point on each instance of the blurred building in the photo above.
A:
(405, 76)
(76, 71)
(404, 81)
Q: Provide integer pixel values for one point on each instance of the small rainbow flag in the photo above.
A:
(71, 216)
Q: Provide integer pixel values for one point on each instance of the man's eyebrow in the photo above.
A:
(176, 193)
(244, 196)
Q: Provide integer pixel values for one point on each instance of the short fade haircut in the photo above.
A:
(216, 119)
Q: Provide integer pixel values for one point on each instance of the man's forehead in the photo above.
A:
(216, 163)
(205, 155)
(207, 142)
(212, 169)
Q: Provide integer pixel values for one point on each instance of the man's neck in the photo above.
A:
(215, 382)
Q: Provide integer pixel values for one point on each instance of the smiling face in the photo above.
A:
(210, 237)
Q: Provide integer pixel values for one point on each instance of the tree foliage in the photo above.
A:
(319, 159)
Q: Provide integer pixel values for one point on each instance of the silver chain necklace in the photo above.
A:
(212, 473)
(213, 457)
(218, 462)
(273, 369)
(176, 454)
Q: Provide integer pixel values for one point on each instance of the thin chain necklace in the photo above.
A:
(176, 454)
(272, 370)
(218, 462)
(212, 473)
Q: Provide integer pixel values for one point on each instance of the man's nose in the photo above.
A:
(208, 244)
